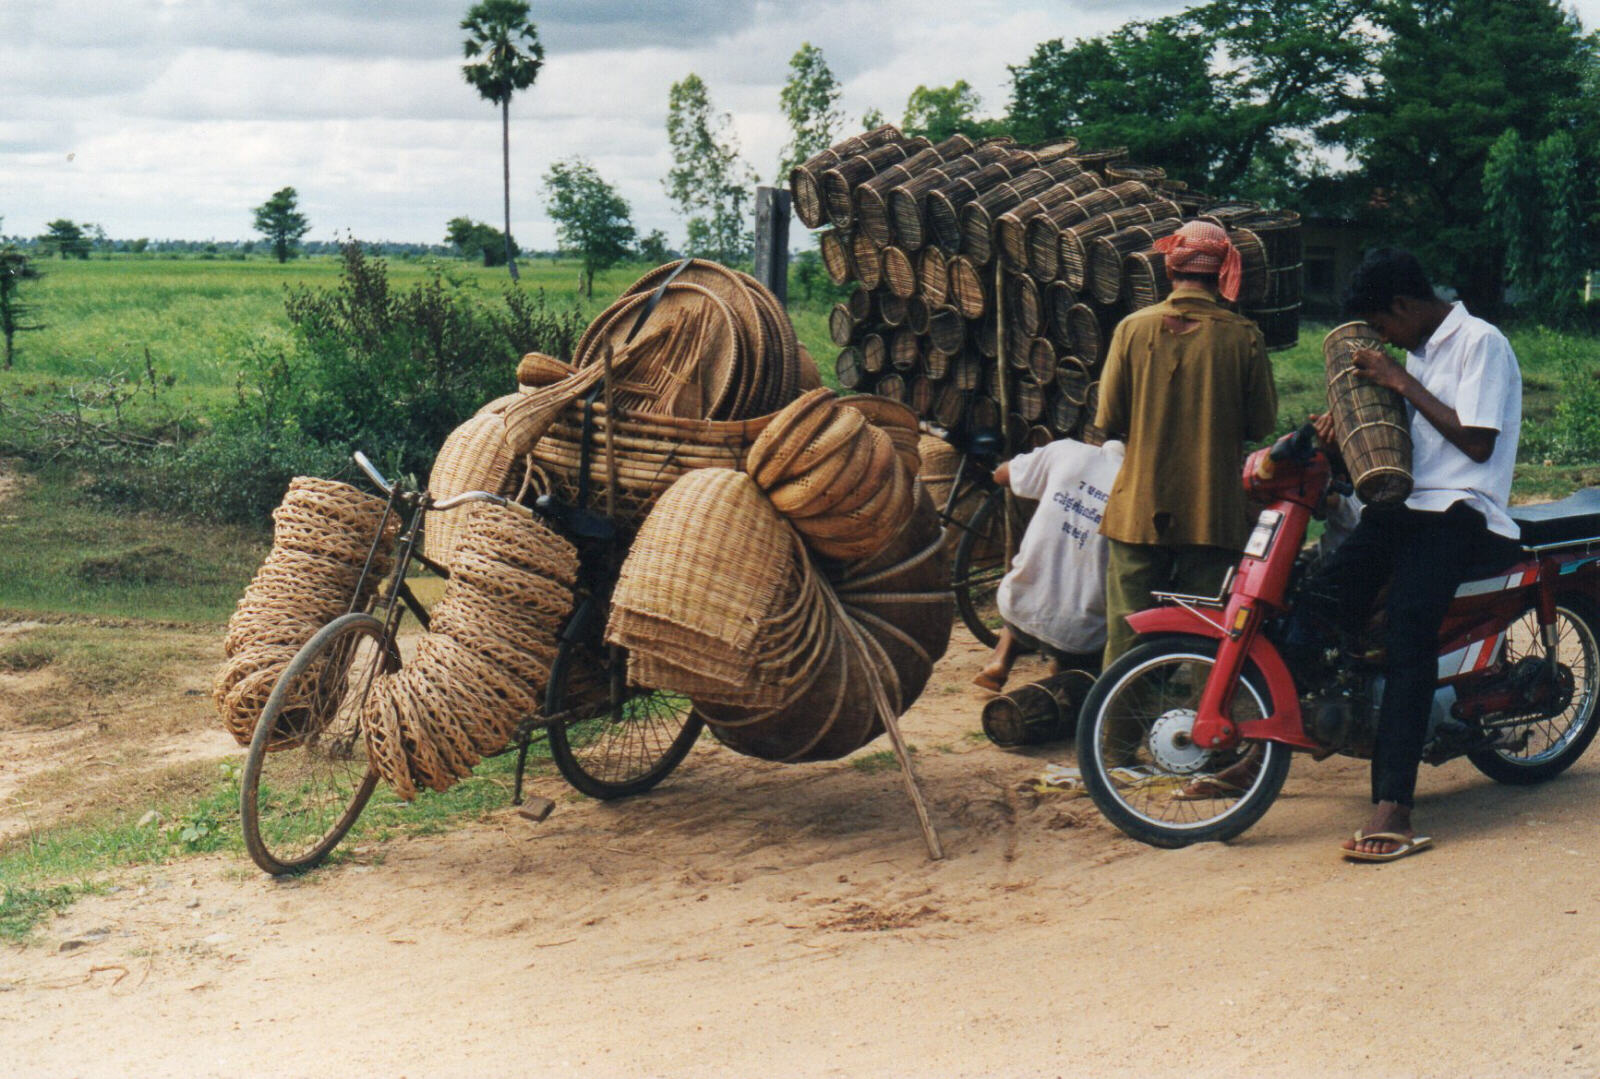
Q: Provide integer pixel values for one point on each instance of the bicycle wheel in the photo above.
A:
(307, 777)
(1137, 758)
(616, 739)
(1547, 745)
(980, 562)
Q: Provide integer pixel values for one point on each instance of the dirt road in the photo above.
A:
(752, 919)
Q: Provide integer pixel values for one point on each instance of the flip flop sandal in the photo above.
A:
(1407, 846)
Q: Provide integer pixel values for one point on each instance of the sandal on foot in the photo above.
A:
(1407, 845)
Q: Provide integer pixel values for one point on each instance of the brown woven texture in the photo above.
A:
(1041, 360)
(841, 324)
(1148, 174)
(1024, 309)
(1277, 311)
(892, 385)
(872, 195)
(322, 533)
(652, 453)
(933, 275)
(475, 457)
(919, 394)
(949, 404)
(1027, 399)
(944, 204)
(899, 273)
(946, 329)
(908, 202)
(904, 349)
(978, 216)
(1144, 279)
(868, 259)
(967, 288)
(537, 369)
(1369, 420)
(709, 566)
(1101, 160)
(874, 353)
(936, 363)
(1106, 255)
(483, 665)
(805, 179)
(838, 257)
(892, 309)
(840, 181)
(847, 368)
(1011, 227)
(859, 304)
(892, 620)
(1073, 242)
(917, 315)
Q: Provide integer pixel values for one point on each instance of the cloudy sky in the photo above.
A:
(172, 118)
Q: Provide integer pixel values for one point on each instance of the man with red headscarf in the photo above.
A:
(1187, 383)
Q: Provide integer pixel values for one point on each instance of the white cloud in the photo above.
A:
(181, 115)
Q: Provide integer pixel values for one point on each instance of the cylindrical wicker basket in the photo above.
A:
(1369, 420)
(804, 179)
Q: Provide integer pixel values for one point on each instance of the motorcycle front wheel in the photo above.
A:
(1140, 766)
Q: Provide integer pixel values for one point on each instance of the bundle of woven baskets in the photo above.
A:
(841, 470)
(322, 535)
(483, 665)
(720, 597)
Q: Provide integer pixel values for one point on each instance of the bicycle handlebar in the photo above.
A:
(373, 474)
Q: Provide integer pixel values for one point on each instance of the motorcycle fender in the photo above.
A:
(1284, 724)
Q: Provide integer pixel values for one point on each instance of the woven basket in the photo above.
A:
(868, 260)
(892, 310)
(1011, 227)
(1106, 255)
(874, 353)
(904, 348)
(949, 405)
(899, 273)
(872, 195)
(917, 315)
(936, 363)
(967, 292)
(1074, 241)
(848, 369)
(1089, 341)
(475, 457)
(1144, 279)
(804, 179)
(892, 385)
(838, 257)
(908, 202)
(840, 181)
(933, 276)
(1369, 420)
(1040, 358)
(1024, 308)
(893, 615)
(322, 534)
(841, 325)
(946, 329)
(978, 217)
(537, 369)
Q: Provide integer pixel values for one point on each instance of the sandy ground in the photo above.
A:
(754, 919)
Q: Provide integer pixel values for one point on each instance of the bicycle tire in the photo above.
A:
(975, 571)
(307, 776)
(617, 740)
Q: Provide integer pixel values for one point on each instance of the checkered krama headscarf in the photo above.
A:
(1201, 247)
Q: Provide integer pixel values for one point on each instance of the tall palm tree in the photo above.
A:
(499, 31)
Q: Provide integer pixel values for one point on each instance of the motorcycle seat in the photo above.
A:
(1575, 517)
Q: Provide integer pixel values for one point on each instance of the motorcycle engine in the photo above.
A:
(1343, 713)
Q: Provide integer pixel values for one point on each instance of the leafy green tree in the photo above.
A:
(1219, 95)
(500, 32)
(872, 118)
(475, 239)
(653, 247)
(1512, 208)
(281, 222)
(810, 103)
(15, 269)
(941, 111)
(708, 180)
(1565, 249)
(66, 239)
(1453, 76)
(592, 220)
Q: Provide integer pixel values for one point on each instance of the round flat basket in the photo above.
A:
(701, 377)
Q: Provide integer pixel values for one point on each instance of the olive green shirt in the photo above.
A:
(1188, 383)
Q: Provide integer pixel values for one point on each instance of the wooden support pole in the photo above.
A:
(1008, 500)
(772, 241)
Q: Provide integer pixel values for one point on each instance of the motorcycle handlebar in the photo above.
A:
(1297, 446)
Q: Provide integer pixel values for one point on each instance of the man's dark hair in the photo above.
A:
(1209, 280)
(1385, 274)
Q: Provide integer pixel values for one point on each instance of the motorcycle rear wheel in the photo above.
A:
(1554, 742)
(1136, 761)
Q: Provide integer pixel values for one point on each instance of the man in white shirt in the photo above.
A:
(1463, 393)
(1054, 597)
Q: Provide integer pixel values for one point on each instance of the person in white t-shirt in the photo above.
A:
(1463, 392)
(1054, 597)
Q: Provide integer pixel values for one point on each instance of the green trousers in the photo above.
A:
(1134, 570)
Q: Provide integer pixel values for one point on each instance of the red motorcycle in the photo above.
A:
(1187, 737)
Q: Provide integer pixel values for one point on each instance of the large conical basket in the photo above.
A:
(1369, 421)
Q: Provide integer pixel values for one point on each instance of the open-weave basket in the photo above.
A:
(323, 532)
(483, 665)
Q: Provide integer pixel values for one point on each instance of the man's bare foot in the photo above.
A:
(992, 678)
(1233, 780)
(1390, 817)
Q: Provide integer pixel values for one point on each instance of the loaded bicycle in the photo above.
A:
(974, 514)
(308, 774)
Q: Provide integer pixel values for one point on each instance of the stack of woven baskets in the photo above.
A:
(774, 609)
(1072, 232)
(842, 481)
(322, 535)
(483, 665)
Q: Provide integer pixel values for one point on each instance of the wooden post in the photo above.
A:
(772, 241)
(1008, 500)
